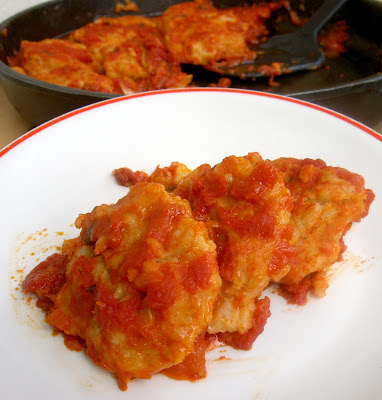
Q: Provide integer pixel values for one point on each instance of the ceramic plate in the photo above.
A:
(329, 349)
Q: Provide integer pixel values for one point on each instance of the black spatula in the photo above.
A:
(294, 51)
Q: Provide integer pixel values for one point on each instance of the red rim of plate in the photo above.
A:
(70, 114)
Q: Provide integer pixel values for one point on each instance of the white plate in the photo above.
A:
(329, 349)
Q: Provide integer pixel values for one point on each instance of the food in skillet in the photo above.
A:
(121, 55)
(61, 62)
(198, 33)
(133, 53)
(177, 267)
(127, 6)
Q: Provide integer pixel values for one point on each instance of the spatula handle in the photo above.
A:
(322, 15)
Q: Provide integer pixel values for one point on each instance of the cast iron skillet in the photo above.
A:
(351, 84)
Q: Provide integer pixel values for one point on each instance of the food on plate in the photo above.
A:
(180, 264)
(134, 53)
(326, 202)
(141, 282)
(246, 208)
(169, 176)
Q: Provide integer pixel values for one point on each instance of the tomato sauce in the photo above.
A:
(48, 276)
(193, 368)
(245, 341)
(334, 42)
(296, 293)
(199, 273)
(73, 343)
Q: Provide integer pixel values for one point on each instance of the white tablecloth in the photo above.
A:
(10, 7)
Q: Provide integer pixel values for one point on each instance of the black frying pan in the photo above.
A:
(351, 84)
